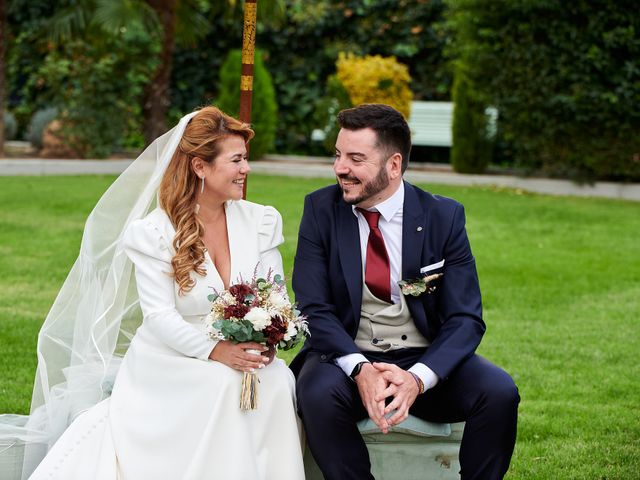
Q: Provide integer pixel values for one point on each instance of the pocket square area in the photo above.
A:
(432, 267)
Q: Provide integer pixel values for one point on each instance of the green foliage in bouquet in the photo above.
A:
(239, 331)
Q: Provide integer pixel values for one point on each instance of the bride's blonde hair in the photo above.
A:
(179, 185)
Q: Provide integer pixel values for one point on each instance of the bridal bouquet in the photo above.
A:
(256, 311)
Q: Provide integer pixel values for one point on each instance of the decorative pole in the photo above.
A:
(246, 74)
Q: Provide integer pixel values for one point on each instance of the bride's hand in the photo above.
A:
(235, 355)
(270, 354)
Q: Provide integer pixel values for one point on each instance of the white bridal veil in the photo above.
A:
(93, 319)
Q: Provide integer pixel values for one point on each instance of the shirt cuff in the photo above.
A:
(424, 373)
(348, 362)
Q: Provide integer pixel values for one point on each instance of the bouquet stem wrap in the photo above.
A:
(249, 389)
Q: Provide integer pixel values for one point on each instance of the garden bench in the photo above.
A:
(430, 124)
(414, 449)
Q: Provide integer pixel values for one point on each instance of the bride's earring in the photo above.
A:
(197, 207)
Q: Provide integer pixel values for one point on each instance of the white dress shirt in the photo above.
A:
(390, 225)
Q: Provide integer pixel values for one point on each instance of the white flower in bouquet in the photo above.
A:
(227, 298)
(292, 331)
(259, 318)
(278, 300)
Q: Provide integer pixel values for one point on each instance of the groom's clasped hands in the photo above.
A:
(378, 382)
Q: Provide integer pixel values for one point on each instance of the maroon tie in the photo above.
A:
(377, 272)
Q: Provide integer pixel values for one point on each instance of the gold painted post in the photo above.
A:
(246, 74)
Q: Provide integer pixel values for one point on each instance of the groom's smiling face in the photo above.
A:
(361, 167)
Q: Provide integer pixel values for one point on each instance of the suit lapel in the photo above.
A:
(414, 226)
(413, 234)
(350, 256)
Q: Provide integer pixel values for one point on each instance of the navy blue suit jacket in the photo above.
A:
(327, 277)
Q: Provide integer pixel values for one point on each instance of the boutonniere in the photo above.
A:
(418, 286)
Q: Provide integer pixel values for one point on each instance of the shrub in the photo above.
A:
(471, 150)
(38, 123)
(375, 79)
(327, 108)
(97, 84)
(10, 126)
(263, 106)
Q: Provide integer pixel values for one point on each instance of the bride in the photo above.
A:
(173, 412)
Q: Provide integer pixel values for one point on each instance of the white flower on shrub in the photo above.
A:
(259, 318)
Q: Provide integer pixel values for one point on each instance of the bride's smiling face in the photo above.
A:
(225, 176)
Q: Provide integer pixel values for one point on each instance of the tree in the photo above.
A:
(156, 96)
(168, 21)
(172, 22)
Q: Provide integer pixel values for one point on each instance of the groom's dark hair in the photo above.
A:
(390, 126)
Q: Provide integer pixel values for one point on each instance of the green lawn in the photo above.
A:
(561, 285)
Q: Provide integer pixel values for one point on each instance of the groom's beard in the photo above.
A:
(369, 189)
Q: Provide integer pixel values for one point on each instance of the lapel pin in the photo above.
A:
(419, 229)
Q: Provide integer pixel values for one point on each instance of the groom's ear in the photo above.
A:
(394, 166)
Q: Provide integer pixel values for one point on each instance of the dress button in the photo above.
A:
(323, 357)
(404, 337)
(374, 341)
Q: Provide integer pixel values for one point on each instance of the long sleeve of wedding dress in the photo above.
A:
(147, 248)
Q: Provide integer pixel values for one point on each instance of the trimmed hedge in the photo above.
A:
(38, 123)
(10, 126)
(471, 150)
(564, 77)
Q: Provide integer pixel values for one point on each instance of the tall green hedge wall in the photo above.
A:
(565, 77)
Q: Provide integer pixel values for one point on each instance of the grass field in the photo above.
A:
(561, 288)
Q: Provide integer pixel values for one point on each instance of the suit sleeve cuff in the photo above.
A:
(428, 377)
(348, 362)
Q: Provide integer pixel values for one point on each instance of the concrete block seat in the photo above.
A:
(414, 449)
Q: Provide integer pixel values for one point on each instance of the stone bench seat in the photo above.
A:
(414, 449)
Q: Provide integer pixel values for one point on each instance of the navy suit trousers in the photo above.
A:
(477, 392)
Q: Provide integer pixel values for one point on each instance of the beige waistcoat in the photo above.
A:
(385, 326)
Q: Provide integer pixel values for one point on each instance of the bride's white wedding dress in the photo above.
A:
(174, 414)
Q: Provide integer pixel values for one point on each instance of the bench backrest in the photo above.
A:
(430, 123)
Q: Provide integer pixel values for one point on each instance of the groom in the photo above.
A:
(374, 351)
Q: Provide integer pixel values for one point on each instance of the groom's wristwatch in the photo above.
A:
(356, 370)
